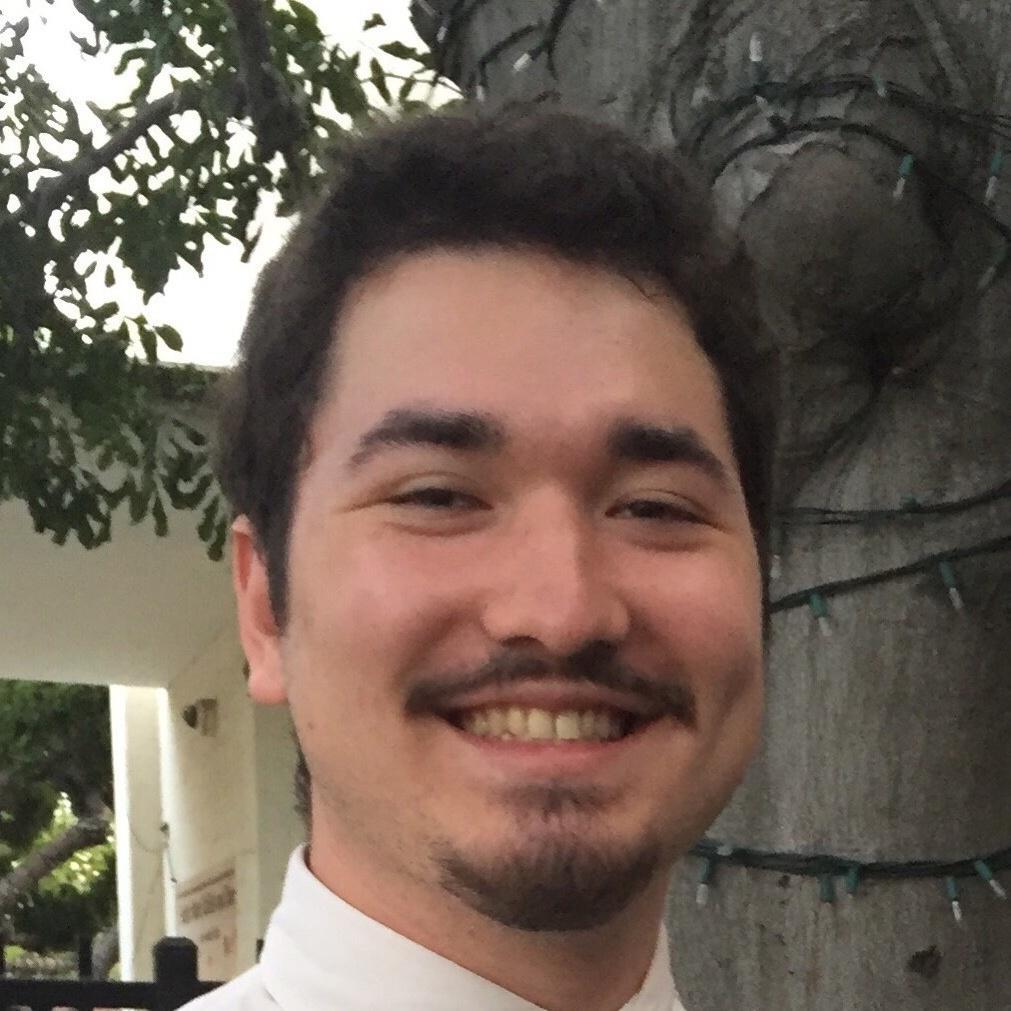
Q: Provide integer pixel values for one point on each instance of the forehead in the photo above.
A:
(551, 347)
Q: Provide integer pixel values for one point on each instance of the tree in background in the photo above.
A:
(57, 873)
(858, 150)
(226, 106)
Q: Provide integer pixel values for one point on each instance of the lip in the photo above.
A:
(554, 697)
(517, 761)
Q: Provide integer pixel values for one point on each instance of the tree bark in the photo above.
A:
(889, 740)
(105, 952)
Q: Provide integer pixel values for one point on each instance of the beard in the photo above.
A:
(558, 878)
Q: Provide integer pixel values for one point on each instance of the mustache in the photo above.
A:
(596, 664)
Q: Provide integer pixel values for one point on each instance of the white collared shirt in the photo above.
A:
(321, 954)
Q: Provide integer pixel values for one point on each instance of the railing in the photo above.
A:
(175, 982)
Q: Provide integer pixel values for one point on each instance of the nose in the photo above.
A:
(551, 584)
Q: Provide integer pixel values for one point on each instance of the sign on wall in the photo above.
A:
(207, 916)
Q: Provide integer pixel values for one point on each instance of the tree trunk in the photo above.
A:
(105, 952)
(888, 739)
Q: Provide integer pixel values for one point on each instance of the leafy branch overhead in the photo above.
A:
(226, 104)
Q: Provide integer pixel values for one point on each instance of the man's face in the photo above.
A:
(520, 518)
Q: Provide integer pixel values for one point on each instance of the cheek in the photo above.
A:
(709, 616)
(375, 605)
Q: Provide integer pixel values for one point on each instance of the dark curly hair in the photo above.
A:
(521, 178)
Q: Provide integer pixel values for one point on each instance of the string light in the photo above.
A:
(826, 888)
(522, 63)
(792, 93)
(853, 881)
(951, 888)
(802, 598)
(705, 879)
(826, 868)
(756, 56)
(722, 852)
(905, 171)
(911, 508)
(991, 186)
(819, 608)
(984, 871)
(951, 584)
(991, 272)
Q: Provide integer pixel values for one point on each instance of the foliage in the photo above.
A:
(227, 104)
(55, 755)
(77, 899)
(57, 736)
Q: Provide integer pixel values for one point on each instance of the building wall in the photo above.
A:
(205, 813)
(208, 782)
(140, 888)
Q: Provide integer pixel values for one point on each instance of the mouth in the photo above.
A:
(557, 728)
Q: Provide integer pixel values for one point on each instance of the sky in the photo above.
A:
(209, 309)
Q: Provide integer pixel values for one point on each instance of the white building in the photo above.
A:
(205, 813)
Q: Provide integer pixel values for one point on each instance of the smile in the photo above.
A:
(518, 723)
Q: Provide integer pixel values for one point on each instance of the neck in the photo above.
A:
(595, 970)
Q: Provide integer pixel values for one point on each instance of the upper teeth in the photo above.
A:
(517, 723)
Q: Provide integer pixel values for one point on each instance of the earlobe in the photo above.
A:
(258, 629)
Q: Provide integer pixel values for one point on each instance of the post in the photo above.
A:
(175, 972)
(85, 964)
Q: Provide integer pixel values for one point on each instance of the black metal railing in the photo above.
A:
(175, 982)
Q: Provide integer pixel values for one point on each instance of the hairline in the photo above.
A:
(354, 285)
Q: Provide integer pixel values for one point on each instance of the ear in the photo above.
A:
(261, 640)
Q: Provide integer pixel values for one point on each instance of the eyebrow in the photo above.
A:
(628, 440)
(460, 430)
(638, 442)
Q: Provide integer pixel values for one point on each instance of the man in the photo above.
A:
(500, 481)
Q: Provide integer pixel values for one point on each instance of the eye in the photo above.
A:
(437, 498)
(656, 510)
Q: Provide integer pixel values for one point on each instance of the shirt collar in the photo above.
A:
(321, 953)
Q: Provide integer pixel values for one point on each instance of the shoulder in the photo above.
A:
(244, 993)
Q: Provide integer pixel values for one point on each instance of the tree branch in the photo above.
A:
(276, 119)
(85, 832)
(51, 192)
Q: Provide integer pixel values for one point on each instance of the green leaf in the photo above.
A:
(149, 343)
(217, 546)
(110, 277)
(138, 504)
(206, 529)
(305, 18)
(170, 337)
(102, 312)
(376, 21)
(159, 517)
(405, 90)
(378, 79)
(400, 51)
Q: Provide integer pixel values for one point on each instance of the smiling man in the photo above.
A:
(500, 477)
